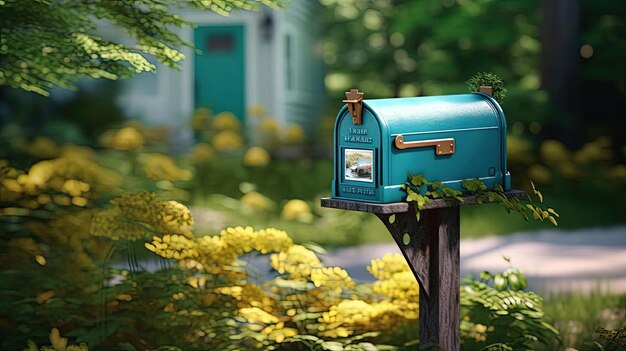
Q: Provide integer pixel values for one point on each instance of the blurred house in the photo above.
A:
(269, 58)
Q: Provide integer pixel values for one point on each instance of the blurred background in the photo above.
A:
(242, 132)
(256, 104)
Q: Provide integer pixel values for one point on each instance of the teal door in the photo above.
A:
(220, 69)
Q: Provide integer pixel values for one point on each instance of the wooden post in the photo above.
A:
(433, 253)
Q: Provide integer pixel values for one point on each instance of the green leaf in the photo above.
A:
(332, 346)
(436, 185)
(314, 247)
(539, 196)
(291, 284)
(366, 346)
(553, 220)
(126, 346)
(421, 200)
(412, 197)
(500, 282)
(553, 212)
(497, 347)
(522, 280)
(514, 282)
(484, 275)
(392, 219)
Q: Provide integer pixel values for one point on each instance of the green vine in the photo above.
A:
(437, 190)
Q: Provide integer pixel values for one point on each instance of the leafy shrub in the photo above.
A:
(499, 315)
(77, 267)
(608, 340)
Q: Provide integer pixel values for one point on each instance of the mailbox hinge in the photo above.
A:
(486, 89)
(354, 99)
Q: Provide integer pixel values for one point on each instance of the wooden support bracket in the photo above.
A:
(433, 253)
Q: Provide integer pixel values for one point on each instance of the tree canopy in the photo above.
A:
(47, 43)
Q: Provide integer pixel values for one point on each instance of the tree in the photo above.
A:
(56, 42)
(390, 48)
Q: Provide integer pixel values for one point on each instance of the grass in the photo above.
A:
(580, 204)
(576, 315)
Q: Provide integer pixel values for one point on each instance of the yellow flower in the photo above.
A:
(343, 319)
(137, 215)
(297, 210)
(269, 127)
(44, 296)
(127, 138)
(294, 134)
(174, 217)
(568, 170)
(400, 286)
(554, 152)
(161, 167)
(75, 151)
(519, 149)
(58, 343)
(297, 261)
(280, 334)
(40, 260)
(106, 138)
(257, 201)
(271, 240)
(618, 173)
(226, 121)
(386, 267)
(256, 110)
(75, 187)
(257, 315)
(334, 278)
(256, 156)
(200, 119)
(227, 141)
(202, 153)
(540, 174)
(239, 239)
(43, 148)
(249, 295)
(596, 151)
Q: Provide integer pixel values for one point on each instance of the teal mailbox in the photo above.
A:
(447, 138)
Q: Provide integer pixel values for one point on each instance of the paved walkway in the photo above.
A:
(552, 260)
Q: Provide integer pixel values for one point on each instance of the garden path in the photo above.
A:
(552, 260)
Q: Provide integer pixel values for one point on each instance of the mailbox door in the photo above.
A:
(357, 158)
(476, 155)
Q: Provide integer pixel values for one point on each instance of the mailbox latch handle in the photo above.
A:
(354, 99)
(442, 146)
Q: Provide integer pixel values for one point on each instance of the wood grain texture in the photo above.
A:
(439, 308)
(433, 254)
(399, 207)
(416, 251)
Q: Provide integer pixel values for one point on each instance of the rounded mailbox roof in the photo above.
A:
(436, 113)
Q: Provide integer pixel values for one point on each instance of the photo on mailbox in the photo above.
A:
(359, 165)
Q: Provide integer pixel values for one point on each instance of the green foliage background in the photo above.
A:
(54, 43)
